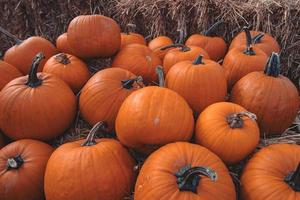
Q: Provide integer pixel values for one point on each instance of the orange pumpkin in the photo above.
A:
(201, 82)
(94, 36)
(139, 60)
(70, 69)
(22, 168)
(38, 106)
(104, 166)
(62, 44)
(102, 96)
(129, 37)
(228, 130)
(272, 97)
(8, 73)
(273, 174)
(183, 170)
(159, 42)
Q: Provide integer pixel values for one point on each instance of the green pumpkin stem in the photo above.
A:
(198, 60)
(249, 50)
(235, 120)
(161, 79)
(188, 177)
(273, 65)
(5, 32)
(90, 139)
(183, 47)
(128, 84)
(15, 162)
(213, 27)
(293, 179)
(62, 58)
(257, 38)
(130, 28)
(33, 81)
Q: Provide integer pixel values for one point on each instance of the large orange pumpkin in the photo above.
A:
(62, 44)
(94, 36)
(138, 59)
(38, 106)
(8, 73)
(102, 96)
(159, 42)
(228, 130)
(103, 166)
(70, 69)
(271, 96)
(183, 170)
(22, 168)
(273, 174)
(201, 82)
(154, 116)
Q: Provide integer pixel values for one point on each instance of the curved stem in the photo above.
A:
(90, 139)
(198, 60)
(33, 80)
(212, 28)
(257, 38)
(62, 58)
(249, 50)
(160, 72)
(15, 162)
(128, 84)
(5, 32)
(273, 65)
(183, 47)
(130, 28)
(293, 179)
(188, 177)
(235, 120)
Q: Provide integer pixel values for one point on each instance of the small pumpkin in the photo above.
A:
(70, 69)
(94, 36)
(271, 96)
(149, 118)
(129, 37)
(8, 73)
(228, 130)
(159, 42)
(62, 44)
(22, 168)
(138, 59)
(104, 166)
(273, 173)
(103, 95)
(240, 61)
(183, 170)
(201, 82)
(38, 106)
(215, 46)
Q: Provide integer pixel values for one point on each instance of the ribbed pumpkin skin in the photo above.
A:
(200, 85)
(75, 73)
(103, 95)
(27, 181)
(230, 144)
(216, 47)
(21, 55)
(62, 44)
(263, 177)
(106, 171)
(138, 59)
(94, 36)
(39, 113)
(275, 101)
(156, 179)
(152, 117)
(157, 43)
(132, 38)
(8, 73)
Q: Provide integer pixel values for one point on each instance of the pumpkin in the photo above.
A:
(62, 44)
(201, 82)
(181, 53)
(94, 36)
(104, 166)
(183, 170)
(240, 61)
(21, 54)
(159, 42)
(8, 73)
(228, 130)
(2, 141)
(273, 173)
(154, 116)
(139, 60)
(129, 37)
(102, 96)
(269, 95)
(22, 168)
(38, 106)
(216, 47)
(70, 69)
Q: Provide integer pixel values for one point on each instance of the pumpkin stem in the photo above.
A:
(181, 36)
(90, 139)
(257, 38)
(160, 72)
(33, 80)
(273, 65)
(212, 28)
(5, 32)
(15, 162)
(235, 120)
(249, 50)
(128, 84)
(183, 47)
(130, 28)
(198, 60)
(188, 177)
(293, 179)
(62, 58)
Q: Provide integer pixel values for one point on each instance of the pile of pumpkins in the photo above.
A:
(157, 98)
